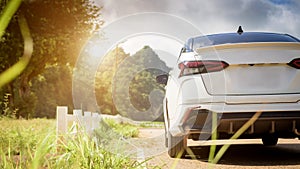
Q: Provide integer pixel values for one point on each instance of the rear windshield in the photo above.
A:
(246, 37)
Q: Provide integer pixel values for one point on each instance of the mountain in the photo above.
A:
(133, 88)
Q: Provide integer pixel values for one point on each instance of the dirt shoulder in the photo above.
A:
(242, 154)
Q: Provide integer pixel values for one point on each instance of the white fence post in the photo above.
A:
(77, 112)
(95, 121)
(77, 120)
(89, 121)
(62, 122)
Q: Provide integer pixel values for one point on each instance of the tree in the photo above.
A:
(59, 30)
(52, 88)
(140, 86)
(104, 79)
(144, 83)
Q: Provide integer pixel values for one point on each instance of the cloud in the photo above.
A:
(217, 16)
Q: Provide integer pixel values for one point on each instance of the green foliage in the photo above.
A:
(15, 70)
(111, 133)
(59, 30)
(126, 130)
(140, 86)
(32, 144)
(21, 137)
(53, 87)
(104, 79)
(82, 152)
(6, 110)
(25, 104)
(151, 124)
(9, 9)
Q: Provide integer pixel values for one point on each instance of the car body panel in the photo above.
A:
(258, 78)
(262, 66)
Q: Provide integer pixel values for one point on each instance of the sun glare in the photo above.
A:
(94, 50)
(167, 48)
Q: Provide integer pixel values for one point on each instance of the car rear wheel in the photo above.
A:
(270, 140)
(176, 146)
(166, 137)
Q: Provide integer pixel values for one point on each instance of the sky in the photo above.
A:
(200, 17)
(215, 16)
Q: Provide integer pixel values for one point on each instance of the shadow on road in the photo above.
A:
(254, 155)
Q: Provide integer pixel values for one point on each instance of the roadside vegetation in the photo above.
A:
(125, 129)
(59, 32)
(151, 124)
(33, 144)
(39, 45)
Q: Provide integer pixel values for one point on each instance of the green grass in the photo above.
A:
(150, 124)
(126, 130)
(33, 144)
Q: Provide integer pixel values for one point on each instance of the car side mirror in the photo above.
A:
(162, 79)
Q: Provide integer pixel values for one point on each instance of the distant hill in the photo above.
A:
(134, 86)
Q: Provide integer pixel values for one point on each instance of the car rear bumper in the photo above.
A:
(197, 117)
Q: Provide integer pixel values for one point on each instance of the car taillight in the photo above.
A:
(200, 67)
(295, 63)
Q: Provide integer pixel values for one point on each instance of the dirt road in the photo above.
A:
(242, 154)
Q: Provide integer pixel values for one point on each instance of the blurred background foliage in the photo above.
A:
(140, 87)
(59, 30)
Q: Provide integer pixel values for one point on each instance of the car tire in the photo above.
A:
(166, 141)
(166, 137)
(176, 146)
(270, 140)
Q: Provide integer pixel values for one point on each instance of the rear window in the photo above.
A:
(246, 37)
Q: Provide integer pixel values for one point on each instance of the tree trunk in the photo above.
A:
(10, 89)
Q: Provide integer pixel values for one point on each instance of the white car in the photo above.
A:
(234, 75)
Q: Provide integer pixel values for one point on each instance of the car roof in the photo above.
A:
(246, 37)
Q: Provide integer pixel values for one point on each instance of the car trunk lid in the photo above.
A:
(254, 69)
